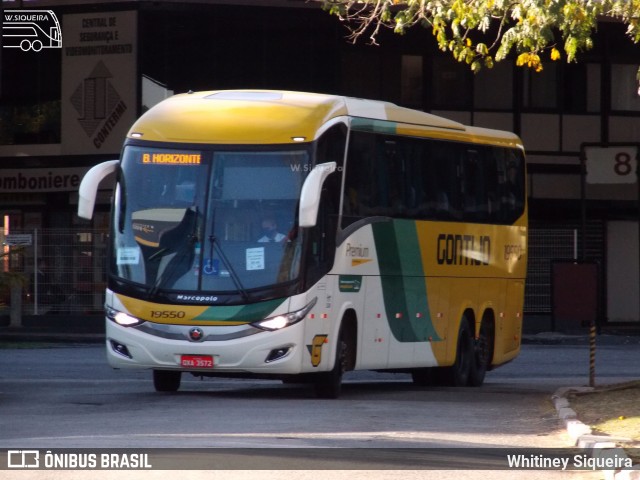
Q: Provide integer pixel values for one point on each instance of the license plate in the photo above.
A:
(196, 361)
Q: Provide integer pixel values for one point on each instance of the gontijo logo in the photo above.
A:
(31, 30)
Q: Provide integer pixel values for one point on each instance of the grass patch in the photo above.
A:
(612, 410)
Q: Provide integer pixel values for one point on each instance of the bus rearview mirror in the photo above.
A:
(310, 194)
(89, 187)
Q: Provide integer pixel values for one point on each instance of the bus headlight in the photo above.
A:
(122, 318)
(285, 320)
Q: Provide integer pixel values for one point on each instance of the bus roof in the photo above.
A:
(277, 117)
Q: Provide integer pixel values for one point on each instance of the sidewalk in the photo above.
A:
(615, 337)
(609, 452)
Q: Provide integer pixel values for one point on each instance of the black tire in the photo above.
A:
(459, 372)
(166, 380)
(482, 355)
(329, 384)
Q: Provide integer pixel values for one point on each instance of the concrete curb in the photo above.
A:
(597, 446)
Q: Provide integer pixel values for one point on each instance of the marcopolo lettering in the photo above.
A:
(470, 250)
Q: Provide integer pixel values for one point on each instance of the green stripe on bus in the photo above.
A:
(240, 313)
(404, 287)
(374, 126)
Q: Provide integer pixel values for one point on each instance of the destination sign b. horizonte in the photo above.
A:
(315, 459)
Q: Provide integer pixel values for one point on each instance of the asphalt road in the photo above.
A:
(67, 397)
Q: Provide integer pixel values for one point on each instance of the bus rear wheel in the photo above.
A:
(166, 380)
(482, 354)
(460, 371)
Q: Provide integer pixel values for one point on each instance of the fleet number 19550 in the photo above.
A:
(167, 314)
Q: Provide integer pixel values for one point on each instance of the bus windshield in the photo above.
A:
(208, 221)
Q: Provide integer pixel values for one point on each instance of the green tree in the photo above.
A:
(481, 32)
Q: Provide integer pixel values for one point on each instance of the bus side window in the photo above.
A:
(476, 208)
(505, 184)
(513, 187)
(448, 174)
(491, 186)
(360, 183)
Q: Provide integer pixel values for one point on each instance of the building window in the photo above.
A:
(493, 88)
(411, 78)
(594, 72)
(540, 91)
(625, 95)
(361, 72)
(575, 86)
(30, 86)
(451, 86)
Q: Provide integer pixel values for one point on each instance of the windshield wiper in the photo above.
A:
(215, 245)
(174, 263)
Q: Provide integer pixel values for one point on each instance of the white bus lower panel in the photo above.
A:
(278, 352)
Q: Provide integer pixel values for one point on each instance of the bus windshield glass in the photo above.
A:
(208, 221)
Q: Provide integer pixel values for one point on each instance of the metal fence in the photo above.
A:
(545, 246)
(548, 244)
(60, 271)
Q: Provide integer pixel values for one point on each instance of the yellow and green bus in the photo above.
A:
(298, 236)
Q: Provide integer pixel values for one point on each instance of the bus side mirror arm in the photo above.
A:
(89, 187)
(310, 194)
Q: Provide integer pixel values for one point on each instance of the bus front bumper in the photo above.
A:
(219, 350)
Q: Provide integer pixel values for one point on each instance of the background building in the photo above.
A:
(63, 110)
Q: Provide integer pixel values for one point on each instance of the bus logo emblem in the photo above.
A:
(196, 334)
(31, 30)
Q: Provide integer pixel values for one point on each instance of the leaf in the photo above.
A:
(519, 28)
(482, 49)
(522, 59)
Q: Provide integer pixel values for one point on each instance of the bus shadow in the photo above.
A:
(359, 390)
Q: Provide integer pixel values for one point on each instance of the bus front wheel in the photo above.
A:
(166, 380)
(329, 384)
